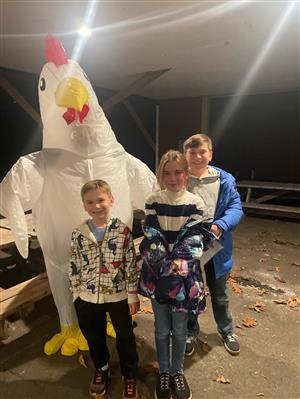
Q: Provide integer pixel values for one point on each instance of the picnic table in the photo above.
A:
(259, 204)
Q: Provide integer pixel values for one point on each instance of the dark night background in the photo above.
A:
(263, 135)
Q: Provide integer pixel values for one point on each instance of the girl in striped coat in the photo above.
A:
(171, 275)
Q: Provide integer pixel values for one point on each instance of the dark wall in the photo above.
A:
(178, 119)
(20, 135)
(263, 135)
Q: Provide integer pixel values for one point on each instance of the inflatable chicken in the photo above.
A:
(78, 145)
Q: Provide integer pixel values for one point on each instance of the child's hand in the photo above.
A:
(216, 230)
(134, 307)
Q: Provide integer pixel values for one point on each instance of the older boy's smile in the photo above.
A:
(198, 159)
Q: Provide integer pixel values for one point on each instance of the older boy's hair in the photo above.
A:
(171, 155)
(94, 184)
(196, 140)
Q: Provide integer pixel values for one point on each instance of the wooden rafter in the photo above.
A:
(131, 89)
(6, 86)
(139, 123)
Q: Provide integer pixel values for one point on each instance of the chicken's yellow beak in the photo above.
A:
(71, 93)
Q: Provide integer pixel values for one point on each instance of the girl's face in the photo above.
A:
(174, 177)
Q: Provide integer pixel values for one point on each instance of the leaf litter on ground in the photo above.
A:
(249, 322)
(221, 379)
(258, 307)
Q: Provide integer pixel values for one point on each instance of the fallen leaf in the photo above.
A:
(262, 292)
(280, 279)
(236, 288)
(85, 360)
(249, 322)
(295, 264)
(294, 302)
(261, 260)
(275, 258)
(280, 301)
(231, 279)
(266, 254)
(281, 242)
(239, 326)
(146, 309)
(277, 268)
(258, 307)
(205, 347)
(148, 368)
(221, 379)
(237, 269)
(260, 394)
(139, 340)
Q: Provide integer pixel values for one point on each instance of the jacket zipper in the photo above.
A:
(101, 263)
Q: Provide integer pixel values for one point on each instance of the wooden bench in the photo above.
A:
(30, 291)
(259, 205)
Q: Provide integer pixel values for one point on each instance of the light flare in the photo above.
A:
(236, 100)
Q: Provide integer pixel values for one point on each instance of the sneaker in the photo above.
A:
(189, 347)
(231, 343)
(99, 383)
(180, 387)
(130, 389)
(163, 386)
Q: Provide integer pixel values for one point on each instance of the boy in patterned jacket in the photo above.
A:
(103, 277)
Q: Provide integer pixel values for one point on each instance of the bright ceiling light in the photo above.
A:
(84, 31)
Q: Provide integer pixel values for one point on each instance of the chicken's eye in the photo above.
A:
(42, 84)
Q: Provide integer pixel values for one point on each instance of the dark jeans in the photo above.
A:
(92, 322)
(219, 301)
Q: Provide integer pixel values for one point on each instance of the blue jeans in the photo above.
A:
(219, 301)
(169, 326)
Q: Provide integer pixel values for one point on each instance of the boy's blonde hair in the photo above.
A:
(196, 140)
(171, 155)
(94, 184)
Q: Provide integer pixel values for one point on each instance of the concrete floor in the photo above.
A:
(266, 251)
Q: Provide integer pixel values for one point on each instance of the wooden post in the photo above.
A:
(205, 115)
(156, 136)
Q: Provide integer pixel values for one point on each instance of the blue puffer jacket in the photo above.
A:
(228, 215)
(174, 277)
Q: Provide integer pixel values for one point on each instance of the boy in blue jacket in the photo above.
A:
(217, 188)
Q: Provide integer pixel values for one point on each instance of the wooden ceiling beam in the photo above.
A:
(23, 103)
(131, 89)
(139, 123)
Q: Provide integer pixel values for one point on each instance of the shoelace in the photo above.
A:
(231, 338)
(179, 381)
(164, 381)
(129, 387)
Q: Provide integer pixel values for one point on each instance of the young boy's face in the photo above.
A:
(198, 157)
(97, 204)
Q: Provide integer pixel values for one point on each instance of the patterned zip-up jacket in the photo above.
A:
(174, 277)
(107, 273)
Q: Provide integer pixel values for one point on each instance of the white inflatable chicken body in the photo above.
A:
(78, 145)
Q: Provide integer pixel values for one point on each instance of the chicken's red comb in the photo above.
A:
(54, 51)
